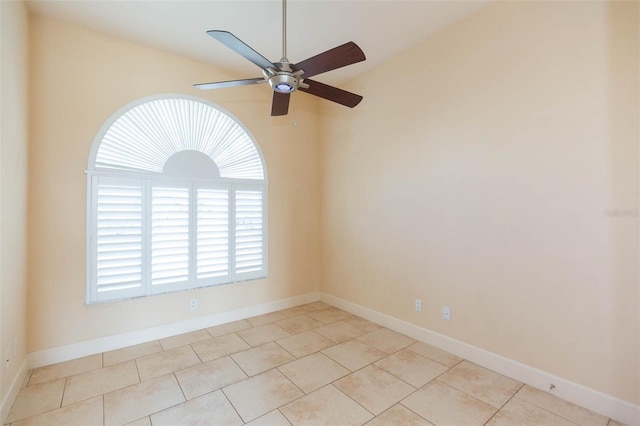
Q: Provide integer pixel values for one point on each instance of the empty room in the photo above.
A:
(310, 212)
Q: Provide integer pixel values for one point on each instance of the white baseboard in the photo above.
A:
(599, 402)
(109, 343)
(15, 387)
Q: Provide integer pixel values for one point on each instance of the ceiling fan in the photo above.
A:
(285, 77)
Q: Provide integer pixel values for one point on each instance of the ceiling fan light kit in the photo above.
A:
(284, 77)
(285, 80)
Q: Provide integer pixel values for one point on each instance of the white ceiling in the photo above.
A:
(382, 28)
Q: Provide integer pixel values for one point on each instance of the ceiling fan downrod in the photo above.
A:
(284, 32)
(284, 80)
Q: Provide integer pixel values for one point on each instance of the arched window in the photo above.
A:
(176, 200)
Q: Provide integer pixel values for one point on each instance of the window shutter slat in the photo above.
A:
(213, 233)
(118, 237)
(249, 231)
(169, 235)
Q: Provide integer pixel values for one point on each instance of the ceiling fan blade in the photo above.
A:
(231, 83)
(240, 47)
(280, 104)
(338, 57)
(331, 93)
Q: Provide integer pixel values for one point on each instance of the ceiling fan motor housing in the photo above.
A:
(284, 82)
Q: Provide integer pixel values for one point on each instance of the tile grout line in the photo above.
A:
(235, 409)
(431, 359)
(138, 369)
(503, 405)
(28, 378)
(358, 341)
(283, 415)
(285, 349)
(231, 404)
(207, 331)
(545, 409)
(180, 386)
(423, 418)
(400, 378)
(290, 381)
(348, 396)
(64, 390)
(195, 352)
(430, 381)
(467, 393)
(166, 408)
(239, 336)
(238, 365)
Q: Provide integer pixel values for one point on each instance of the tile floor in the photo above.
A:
(310, 365)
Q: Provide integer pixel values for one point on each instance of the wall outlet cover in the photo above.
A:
(446, 313)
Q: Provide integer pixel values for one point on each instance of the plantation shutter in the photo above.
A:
(169, 237)
(118, 238)
(249, 231)
(213, 233)
(177, 194)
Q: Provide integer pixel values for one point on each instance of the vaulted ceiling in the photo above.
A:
(381, 28)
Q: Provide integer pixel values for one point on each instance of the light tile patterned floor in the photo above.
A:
(310, 365)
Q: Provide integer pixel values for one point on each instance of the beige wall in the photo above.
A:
(79, 79)
(13, 188)
(476, 174)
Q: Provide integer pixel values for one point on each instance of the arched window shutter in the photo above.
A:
(177, 200)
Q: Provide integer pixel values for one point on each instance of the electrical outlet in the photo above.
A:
(418, 305)
(193, 305)
(446, 313)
